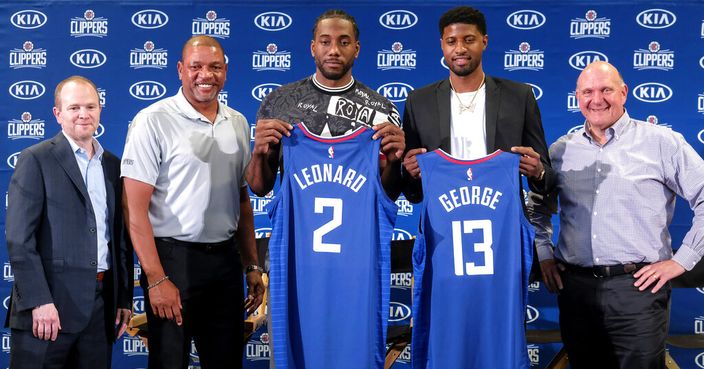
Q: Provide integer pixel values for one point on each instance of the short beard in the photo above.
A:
(333, 76)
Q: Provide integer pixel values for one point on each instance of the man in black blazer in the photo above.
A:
(73, 269)
(470, 114)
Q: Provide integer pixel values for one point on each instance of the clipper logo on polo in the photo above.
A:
(28, 57)
(262, 232)
(259, 203)
(405, 207)
(652, 119)
(395, 91)
(396, 58)
(653, 58)
(147, 90)
(652, 92)
(99, 131)
(524, 58)
(26, 90)
(258, 349)
(402, 280)
(398, 311)
(7, 274)
(401, 235)
(699, 325)
(537, 91)
(656, 18)
(211, 25)
(533, 354)
(88, 58)
(6, 343)
(150, 19)
(259, 92)
(700, 103)
(25, 127)
(273, 21)
(581, 59)
(398, 19)
(12, 160)
(525, 19)
(590, 27)
(101, 96)
(532, 314)
(134, 346)
(149, 57)
(699, 360)
(271, 59)
(28, 19)
(222, 97)
(89, 25)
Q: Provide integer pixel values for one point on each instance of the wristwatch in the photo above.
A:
(253, 267)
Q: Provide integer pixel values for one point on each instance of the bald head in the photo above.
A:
(601, 94)
(601, 67)
(201, 41)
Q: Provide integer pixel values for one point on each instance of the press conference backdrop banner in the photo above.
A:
(130, 50)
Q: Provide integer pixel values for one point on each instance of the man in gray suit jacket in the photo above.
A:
(470, 115)
(73, 269)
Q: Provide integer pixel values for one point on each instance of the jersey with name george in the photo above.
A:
(471, 263)
(329, 253)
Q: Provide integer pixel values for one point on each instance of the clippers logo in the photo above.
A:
(532, 314)
(401, 235)
(134, 346)
(525, 19)
(149, 57)
(28, 19)
(405, 207)
(6, 343)
(137, 274)
(405, 356)
(222, 97)
(211, 25)
(396, 58)
(99, 131)
(699, 325)
(101, 96)
(273, 21)
(262, 232)
(259, 203)
(398, 311)
(89, 25)
(537, 91)
(652, 92)
(533, 354)
(469, 174)
(395, 91)
(699, 360)
(147, 90)
(590, 26)
(656, 18)
(28, 57)
(25, 127)
(88, 58)
(258, 349)
(27, 90)
(7, 274)
(572, 103)
(652, 119)
(700, 104)
(271, 59)
(150, 19)
(398, 19)
(402, 280)
(12, 160)
(653, 58)
(331, 152)
(259, 92)
(524, 58)
(583, 58)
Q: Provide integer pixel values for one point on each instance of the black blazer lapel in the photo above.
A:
(67, 160)
(444, 108)
(493, 97)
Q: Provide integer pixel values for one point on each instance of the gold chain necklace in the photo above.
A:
(471, 104)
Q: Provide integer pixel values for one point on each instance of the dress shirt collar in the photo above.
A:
(97, 148)
(615, 131)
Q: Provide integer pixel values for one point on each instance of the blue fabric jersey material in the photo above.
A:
(471, 263)
(330, 253)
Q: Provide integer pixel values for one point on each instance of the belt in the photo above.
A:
(100, 276)
(207, 246)
(604, 271)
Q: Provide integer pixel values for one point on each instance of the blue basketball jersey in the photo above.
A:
(471, 263)
(329, 253)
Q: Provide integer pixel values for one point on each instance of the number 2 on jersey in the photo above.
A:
(320, 204)
(467, 226)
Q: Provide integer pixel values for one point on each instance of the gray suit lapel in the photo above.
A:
(67, 160)
(493, 96)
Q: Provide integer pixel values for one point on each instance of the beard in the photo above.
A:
(333, 75)
(465, 70)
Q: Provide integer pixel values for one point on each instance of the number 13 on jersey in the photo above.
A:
(461, 227)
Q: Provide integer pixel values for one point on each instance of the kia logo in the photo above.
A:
(398, 311)
(138, 304)
(88, 58)
(395, 91)
(444, 63)
(583, 58)
(398, 19)
(525, 19)
(273, 21)
(28, 19)
(652, 92)
(656, 18)
(147, 90)
(701, 62)
(150, 19)
(537, 91)
(700, 136)
(12, 160)
(699, 360)
(6, 302)
(27, 90)
(99, 131)
(532, 314)
(259, 92)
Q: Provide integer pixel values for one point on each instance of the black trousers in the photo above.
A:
(607, 323)
(210, 283)
(88, 349)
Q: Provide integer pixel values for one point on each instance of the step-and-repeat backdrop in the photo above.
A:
(130, 51)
